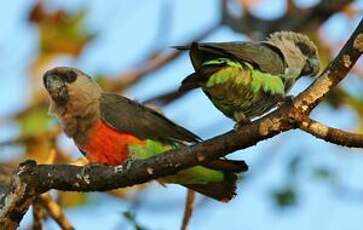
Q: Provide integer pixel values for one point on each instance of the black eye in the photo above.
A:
(307, 50)
(70, 76)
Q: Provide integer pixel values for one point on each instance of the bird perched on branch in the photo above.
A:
(111, 129)
(246, 79)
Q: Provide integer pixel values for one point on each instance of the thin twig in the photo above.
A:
(55, 211)
(33, 138)
(38, 215)
(330, 134)
(188, 210)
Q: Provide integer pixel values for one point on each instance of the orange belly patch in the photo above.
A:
(107, 145)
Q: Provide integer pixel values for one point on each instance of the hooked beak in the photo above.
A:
(311, 68)
(56, 88)
(315, 67)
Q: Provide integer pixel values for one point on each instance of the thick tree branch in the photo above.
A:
(32, 179)
(330, 134)
(16, 201)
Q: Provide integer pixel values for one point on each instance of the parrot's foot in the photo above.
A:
(128, 163)
(124, 166)
(289, 99)
(241, 120)
(91, 165)
(240, 124)
(85, 172)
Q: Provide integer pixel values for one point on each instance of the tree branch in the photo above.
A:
(330, 134)
(38, 215)
(31, 179)
(55, 211)
(188, 209)
(18, 198)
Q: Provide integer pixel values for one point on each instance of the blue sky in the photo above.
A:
(127, 30)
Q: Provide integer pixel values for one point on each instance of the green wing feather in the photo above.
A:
(242, 87)
(243, 75)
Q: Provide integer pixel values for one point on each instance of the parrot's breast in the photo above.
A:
(107, 145)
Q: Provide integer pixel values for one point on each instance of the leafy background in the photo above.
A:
(295, 181)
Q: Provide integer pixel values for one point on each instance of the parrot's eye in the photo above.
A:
(69, 76)
(307, 50)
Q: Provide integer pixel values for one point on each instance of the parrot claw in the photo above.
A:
(289, 99)
(124, 166)
(118, 168)
(240, 124)
(89, 166)
(128, 163)
(85, 172)
(241, 120)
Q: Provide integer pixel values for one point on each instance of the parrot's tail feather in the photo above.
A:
(225, 190)
(181, 47)
(222, 191)
(195, 79)
(235, 166)
(190, 82)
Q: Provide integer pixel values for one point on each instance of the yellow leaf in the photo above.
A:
(72, 199)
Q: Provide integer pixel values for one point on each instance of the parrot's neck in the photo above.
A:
(78, 116)
(293, 57)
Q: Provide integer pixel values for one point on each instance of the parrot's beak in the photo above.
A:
(315, 65)
(311, 67)
(56, 88)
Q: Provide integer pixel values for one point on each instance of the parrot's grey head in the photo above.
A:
(74, 99)
(298, 50)
(64, 83)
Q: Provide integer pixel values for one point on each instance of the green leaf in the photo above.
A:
(293, 165)
(130, 217)
(72, 199)
(323, 173)
(285, 197)
(35, 121)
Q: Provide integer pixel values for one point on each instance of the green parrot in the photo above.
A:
(111, 129)
(246, 79)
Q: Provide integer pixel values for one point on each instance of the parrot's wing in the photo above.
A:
(193, 80)
(266, 57)
(129, 116)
